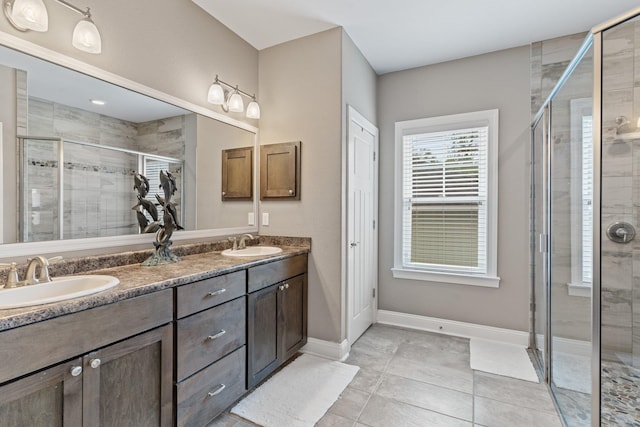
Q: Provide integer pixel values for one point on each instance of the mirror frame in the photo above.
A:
(13, 250)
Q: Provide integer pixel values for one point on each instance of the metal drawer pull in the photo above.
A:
(217, 391)
(218, 335)
(218, 292)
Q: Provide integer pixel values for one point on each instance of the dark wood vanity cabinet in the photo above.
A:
(128, 382)
(174, 357)
(277, 315)
(210, 347)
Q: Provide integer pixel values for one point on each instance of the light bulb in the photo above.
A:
(86, 37)
(253, 110)
(216, 94)
(30, 14)
(235, 103)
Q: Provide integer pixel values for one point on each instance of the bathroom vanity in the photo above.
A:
(171, 345)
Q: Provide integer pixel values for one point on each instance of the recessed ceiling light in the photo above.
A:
(97, 102)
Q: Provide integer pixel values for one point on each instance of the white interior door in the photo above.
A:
(361, 225)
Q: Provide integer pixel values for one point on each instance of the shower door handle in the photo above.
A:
(543, 245)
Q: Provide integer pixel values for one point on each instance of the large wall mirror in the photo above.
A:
(72, 144)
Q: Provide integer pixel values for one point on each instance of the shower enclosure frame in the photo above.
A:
(542, 242)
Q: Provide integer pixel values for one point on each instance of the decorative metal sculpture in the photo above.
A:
(162, 254)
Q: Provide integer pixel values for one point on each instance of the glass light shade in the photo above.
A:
(86, 37)
(253, 110)
(216, 94)
(235, 103)
(30, 14)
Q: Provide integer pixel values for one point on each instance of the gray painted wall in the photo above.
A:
(169, 45)
(8, 115)
(300, 96)
(496, 80)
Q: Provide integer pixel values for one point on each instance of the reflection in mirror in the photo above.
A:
(80, 140)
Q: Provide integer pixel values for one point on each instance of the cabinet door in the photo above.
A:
(280, 171)
(50, 398)
(130, 383)
(262, 334)
(294, 316)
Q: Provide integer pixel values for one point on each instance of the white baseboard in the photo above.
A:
(567, 345)
(327, 349)
(452, 327)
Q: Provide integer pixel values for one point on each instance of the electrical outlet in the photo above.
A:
(265, 218)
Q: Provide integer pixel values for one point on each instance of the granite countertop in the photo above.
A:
(136, 280)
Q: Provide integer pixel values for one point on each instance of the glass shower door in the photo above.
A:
(539, 239)
(570, 253)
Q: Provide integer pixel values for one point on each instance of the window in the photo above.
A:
(446, 199)
(581, 197)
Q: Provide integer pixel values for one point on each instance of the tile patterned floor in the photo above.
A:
(413, 378)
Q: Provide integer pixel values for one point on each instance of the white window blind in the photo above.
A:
(445, 195)
(446, 199)
(587, 199)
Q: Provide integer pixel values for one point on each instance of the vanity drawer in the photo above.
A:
(205, 337)
(225, 379)
(208, 293)
(267, 274)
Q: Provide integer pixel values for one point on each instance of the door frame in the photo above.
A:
(354, 116)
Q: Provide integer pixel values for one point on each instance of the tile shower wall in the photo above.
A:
(98, 184)
(620, 197)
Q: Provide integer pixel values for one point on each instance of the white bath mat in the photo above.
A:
(502, 359)
(298, 395)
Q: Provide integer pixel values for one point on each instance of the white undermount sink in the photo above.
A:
(59, 289)
(253, 251)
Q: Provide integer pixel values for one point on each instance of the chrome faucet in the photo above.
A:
(43, 276)
(243, 240)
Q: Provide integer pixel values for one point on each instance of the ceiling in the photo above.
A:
(400, 34)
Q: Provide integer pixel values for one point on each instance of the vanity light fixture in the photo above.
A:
(26, 15)
(232, 100)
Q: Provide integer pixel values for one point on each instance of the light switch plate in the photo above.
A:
(251, 218)
(265, 218)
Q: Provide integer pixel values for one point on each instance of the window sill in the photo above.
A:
(458, 279)
(579, 290)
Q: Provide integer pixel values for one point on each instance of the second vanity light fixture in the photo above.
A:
(27, 15)
(232, 100)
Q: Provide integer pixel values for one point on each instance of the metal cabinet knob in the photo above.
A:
(286, 286)
(76, 370)
(290, 191)
(281, 287)
(224, 193)
(95, 363)
(353, 244)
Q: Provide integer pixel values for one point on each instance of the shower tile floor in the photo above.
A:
(620, 386)
(620, 395)
(414, 378)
